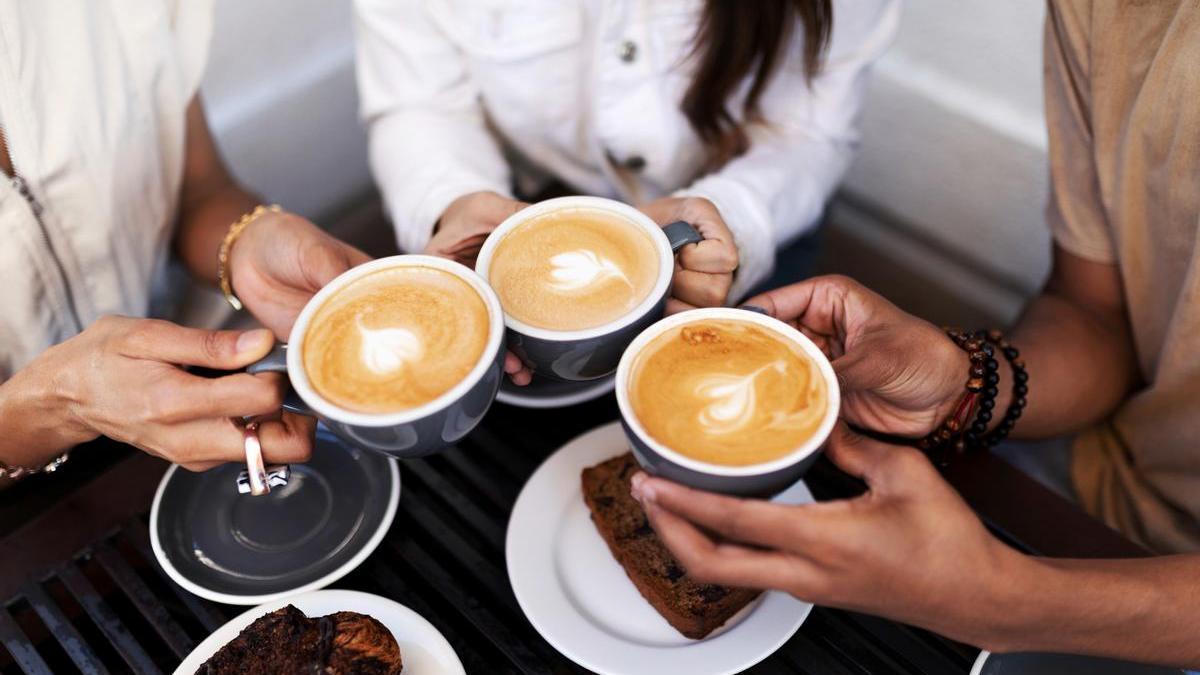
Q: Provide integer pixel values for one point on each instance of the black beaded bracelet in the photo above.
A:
(1020, 388)
(954, 434)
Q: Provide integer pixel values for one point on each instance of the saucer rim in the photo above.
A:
(324, 580)
(601, 387)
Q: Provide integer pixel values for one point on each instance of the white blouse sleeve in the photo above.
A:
(429, 142)
(778, 189)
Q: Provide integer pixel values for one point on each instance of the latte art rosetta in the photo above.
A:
(573, 269)
(727, 392)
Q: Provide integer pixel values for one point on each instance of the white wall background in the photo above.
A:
(952, 161)
(954, 145)
(281, 98)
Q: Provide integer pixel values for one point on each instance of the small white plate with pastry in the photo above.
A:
(333, 631)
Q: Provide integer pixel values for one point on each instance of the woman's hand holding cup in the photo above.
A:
(467, 222)
(703, 271)
(123, 378)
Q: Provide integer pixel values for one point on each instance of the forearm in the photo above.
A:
(203, 224)
(1137, 609)
(1080, 365)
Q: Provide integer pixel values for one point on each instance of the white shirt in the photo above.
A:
(450, 87)
(93, 95)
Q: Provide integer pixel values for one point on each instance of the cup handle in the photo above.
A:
(276, 362)
(680, 234)
(258, 480)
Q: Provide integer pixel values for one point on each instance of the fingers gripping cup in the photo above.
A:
(579, 278)
(402, 355)
(726, 400)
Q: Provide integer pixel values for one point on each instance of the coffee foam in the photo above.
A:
(573, 269)
(727, 392)
(395, 339)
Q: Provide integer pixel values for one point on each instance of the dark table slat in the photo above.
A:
(18, 645)
(107, 620)
(202, 610)
(77, 519)
(485, 523)
(155, 613)
(64, 631)
(481, 618)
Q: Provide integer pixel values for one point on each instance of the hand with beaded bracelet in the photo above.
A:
(899, 375)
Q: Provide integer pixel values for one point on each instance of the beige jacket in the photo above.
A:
(93, 95)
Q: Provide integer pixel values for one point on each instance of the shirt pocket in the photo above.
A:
(526, 57)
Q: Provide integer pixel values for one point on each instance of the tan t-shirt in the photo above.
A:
(1123, 109)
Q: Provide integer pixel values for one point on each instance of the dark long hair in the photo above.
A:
(740, 38)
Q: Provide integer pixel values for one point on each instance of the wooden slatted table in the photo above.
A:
(80, 591)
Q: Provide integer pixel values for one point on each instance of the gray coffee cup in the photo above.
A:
(756, 480)
(593, 353)
(407, 433)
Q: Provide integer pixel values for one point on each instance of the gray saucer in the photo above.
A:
(1061, 664)
(546, 393)
(239, 549)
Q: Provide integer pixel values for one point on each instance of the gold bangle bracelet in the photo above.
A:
(235, 230)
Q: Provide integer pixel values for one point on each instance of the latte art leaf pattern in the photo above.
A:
(385, 350)
(733, 400)
(573, 270)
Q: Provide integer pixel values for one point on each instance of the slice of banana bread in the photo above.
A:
(693, 608)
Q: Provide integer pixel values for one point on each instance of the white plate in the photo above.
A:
(578, 597)
(423, 649)
(552, 394)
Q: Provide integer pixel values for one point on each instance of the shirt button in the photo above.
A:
(628, 51)
(635, 163)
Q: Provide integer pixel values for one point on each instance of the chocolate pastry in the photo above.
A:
(286, 642)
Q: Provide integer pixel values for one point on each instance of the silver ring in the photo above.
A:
(255, 469)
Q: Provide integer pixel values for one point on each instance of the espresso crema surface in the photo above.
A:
(395, 339)
(727, 392)
(573, 269)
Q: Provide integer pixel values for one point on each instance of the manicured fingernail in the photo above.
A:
(639, 489)
(252, 340)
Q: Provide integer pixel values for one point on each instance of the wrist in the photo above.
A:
(230, 252)
(39, 416)
(1016, 593)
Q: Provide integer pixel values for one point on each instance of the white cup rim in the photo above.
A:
(329, 410)
(666, 267)
(807, 448)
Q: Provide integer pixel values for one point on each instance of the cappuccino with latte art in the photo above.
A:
(395, 339)
(727, 392)
(573, 269)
